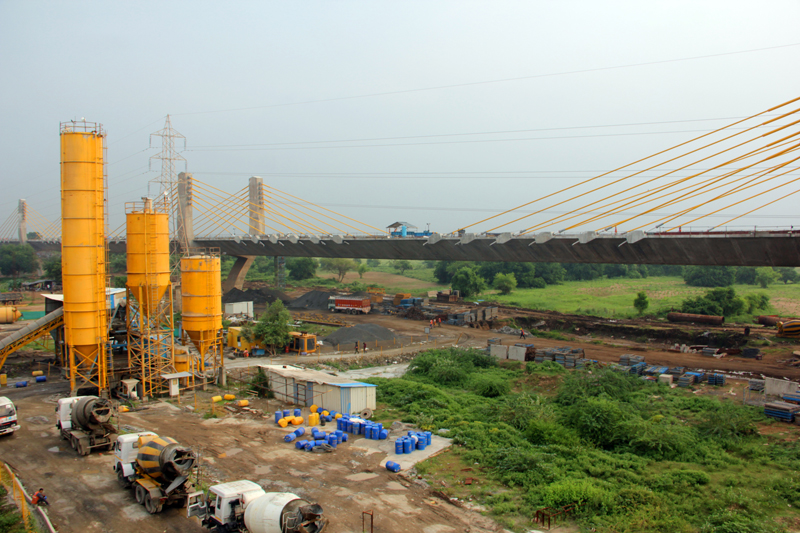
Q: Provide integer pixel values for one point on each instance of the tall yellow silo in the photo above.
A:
(201, 304)
(83, 254)
(151, 346)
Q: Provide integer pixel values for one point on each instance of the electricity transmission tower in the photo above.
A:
(168, 180)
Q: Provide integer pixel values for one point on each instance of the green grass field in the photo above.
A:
(614, 297)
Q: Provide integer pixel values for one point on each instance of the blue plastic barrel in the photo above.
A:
(344, 437)
(278, 416)
(328, 418)
(391, 466)
(332, 441)
(339, 434)
(40, 379)
(349, 427)
(309, 446)
(383, 434)
(300, 444)
(298, 412)
(339, 424)
(21, 384)
(420, 444)
(320, 442)
(300, 431)
(379, 425)
(287, 412)
(398, 447)
(428, 437)
(408, 445)
(289, 437)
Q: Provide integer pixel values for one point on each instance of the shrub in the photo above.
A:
(490, 386)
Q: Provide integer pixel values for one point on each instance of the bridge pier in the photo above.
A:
(238, 272)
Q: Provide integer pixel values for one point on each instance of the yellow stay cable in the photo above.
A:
(330, 225)
(741, 201)
(676, 182)
(226, 204)
(266, 195)
(657, 207)
(228, 222)
(326, 209)
(646, 194)
(663, 220)
(630, 164)
(276, 210)
(756, 209)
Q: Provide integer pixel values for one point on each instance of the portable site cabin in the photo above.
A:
(300, 386)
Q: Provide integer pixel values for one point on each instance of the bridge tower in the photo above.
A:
(23, 221)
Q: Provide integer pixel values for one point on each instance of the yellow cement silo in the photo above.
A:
(83, 254)
(201, 304)
(151, 346)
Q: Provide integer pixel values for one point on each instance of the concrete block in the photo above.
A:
(517, 353)
(499, 351)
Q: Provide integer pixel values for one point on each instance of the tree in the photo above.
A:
(272, 329)
(718, 302)
(467, 282)
(119, 263)
(641, 303)
(362, 269)
(17, 258)
(789, 274)
(709, 276)
(34, 236)
(402, 265)
(373, 263)
(525, 273)
(505, 283)
(766, 275)
(581, 271)
(301, 267)
(52, 267)
(340, 266)
(445, 270)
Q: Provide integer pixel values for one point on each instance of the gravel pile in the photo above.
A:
(257, 296)
(360, 333)
(312, 300)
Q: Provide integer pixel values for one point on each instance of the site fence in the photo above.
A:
(32, 515)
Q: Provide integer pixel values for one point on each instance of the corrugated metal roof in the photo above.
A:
(314, 376)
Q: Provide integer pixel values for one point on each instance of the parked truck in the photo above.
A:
(84, 422)
(8, 416)
(349, 304)
(156, 468)
(244, 507)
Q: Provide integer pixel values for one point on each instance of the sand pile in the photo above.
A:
(360, 333)
(312, 300)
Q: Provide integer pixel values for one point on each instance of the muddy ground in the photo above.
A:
(85, 496)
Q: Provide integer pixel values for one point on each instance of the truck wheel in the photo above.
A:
(140, 494)
(151, 506)
(82, 449)
(74, 442)
(123, 481)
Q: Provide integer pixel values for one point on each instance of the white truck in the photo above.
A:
(244, 507)
(8, 416)
(84, 422)
(125, 450)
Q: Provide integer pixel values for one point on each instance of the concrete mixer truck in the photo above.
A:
(244, 507)
(84, 422)
(157, 468)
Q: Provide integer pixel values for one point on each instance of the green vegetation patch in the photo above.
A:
(633, 455)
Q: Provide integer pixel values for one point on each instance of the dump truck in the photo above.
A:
(8, 416)
(349, 304)
(84, 422)
(245, 507)
(156, 468)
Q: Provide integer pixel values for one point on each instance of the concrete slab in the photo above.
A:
(388, 371)
(406, 460)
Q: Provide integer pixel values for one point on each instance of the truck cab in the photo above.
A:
(125, 449)
(8, 416)
(224, 505)
(64, 412)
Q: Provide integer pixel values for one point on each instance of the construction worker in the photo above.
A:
(440, 321)
(365, 347)
(521, 333)
(39, 498)
(356, 346)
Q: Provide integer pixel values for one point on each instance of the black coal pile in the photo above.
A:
(257, 296)
(311, 300)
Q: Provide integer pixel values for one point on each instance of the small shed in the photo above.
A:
(305, 387)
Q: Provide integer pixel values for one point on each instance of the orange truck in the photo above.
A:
(349, 304)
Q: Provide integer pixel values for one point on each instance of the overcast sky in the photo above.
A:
(254, 87)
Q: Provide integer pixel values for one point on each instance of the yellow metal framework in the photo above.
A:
(149, 317)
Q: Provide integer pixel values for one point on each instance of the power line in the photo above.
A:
(486, 82)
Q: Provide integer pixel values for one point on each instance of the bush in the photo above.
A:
(716, 302)
(538, 283)
(468, 282)
(490, 386)
(709, 276)
(505, 283)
